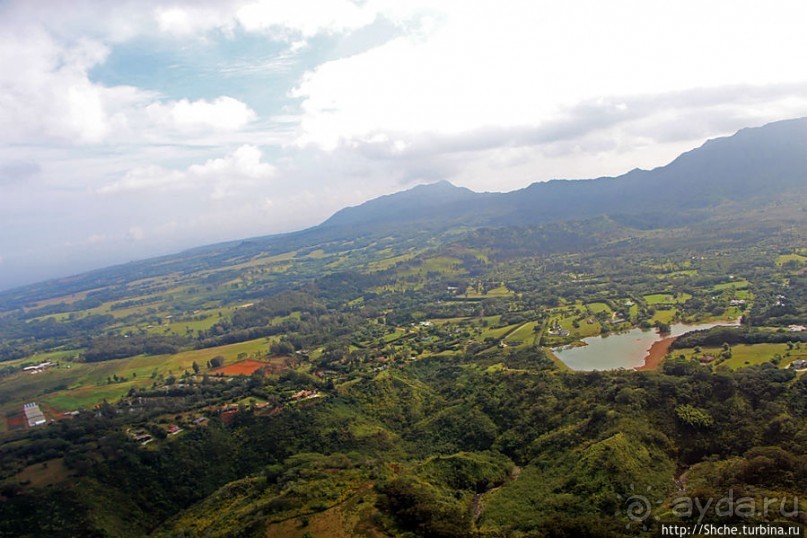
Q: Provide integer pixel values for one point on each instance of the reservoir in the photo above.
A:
(620, 350)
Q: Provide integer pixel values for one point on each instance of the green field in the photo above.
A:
(440, 264)
(743, 355)
(383, 265)
(664, 316)
(737, 284)
(666, 298)
(743, 294)
(524, 334)
(785, 258)
(77, 384)
(598, 307)
(500, 291)
(497, 332)
(185, 327)
(678, 274)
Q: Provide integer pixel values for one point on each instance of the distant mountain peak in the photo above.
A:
(420, 201)
(436, 184)
(756, 162)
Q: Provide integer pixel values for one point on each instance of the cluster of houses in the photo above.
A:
(557, 330)
(141, 436)
(226, 413)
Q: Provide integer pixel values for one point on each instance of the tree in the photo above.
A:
(694, 417)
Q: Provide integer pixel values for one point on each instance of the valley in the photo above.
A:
(402, 369)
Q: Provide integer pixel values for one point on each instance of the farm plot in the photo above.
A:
(247, 367)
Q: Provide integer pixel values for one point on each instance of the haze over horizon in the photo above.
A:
(144, 128)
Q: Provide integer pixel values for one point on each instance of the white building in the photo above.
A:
(33, 415)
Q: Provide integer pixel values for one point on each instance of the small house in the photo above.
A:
(304, 394)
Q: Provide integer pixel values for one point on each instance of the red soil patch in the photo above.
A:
(241, 368)
(656, 354)
(15, 421)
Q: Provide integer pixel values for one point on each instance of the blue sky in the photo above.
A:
(138, 128)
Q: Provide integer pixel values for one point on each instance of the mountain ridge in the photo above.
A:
(756, 164)
(748, 163)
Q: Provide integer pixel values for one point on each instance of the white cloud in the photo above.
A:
(304, 17)
(217, 178)
(147, 178)
(244, 162)
(481, 64)
(285, 20)
(178, 21)
(135, 233)
(223, 113)
(95, 239)
(47, 93)
(292, 21)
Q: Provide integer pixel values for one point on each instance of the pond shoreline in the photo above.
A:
(656, 354)
(658, 351)
(635, 349)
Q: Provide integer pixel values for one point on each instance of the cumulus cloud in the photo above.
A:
(304, 17)
(186, 20)
(291, 21)
(219, 178)
(243, 162)
(50, 95)
(47, 93)
(482, 65)
(223, 113)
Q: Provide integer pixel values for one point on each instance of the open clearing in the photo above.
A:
(240, 368)
(743, 355)
(43, 474)
(785, 258)
(666, 298)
